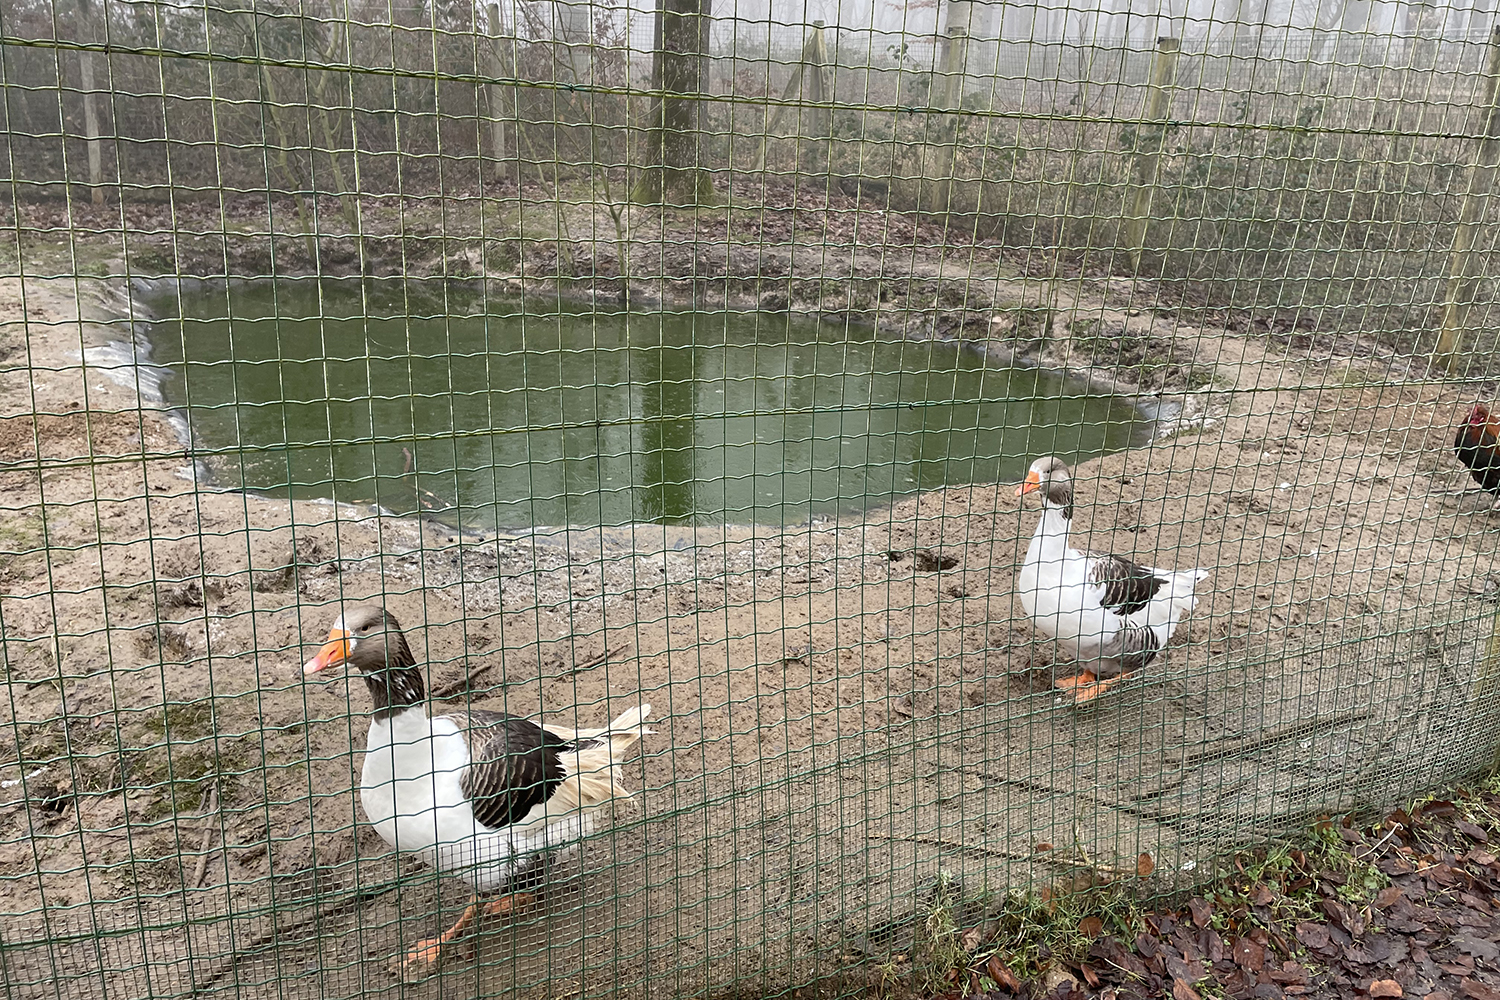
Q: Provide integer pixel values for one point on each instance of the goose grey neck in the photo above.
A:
(395, 689)
(392, 677)
(1059, 496)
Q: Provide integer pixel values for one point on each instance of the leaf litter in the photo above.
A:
(1403, 907)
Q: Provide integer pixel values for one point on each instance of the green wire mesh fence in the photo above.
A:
(691, 357)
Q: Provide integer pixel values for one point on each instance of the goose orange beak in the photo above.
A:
(335, 650)
(1031, 482)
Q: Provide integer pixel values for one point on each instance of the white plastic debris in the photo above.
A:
(13, 782)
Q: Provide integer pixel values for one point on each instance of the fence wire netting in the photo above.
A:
(690, 371)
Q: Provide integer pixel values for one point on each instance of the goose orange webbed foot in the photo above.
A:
(513, 904)
(421, 959)
(424, 957)
(1085, 687)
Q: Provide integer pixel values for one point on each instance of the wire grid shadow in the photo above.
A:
(694, 360)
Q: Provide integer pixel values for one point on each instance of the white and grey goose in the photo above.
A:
(479, 795)
(1113, 614)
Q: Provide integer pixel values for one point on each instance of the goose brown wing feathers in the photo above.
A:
(1128, 586)
(514, 765)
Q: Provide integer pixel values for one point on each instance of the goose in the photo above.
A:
(1110, 612)
(479, 795)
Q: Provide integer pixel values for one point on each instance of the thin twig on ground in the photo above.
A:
(603, 657)
(461, 684)
(210, 813)
(1039, 788)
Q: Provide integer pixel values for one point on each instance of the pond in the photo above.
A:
(492, 415)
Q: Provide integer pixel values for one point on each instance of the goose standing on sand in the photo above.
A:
(1110, 612)
(479, 795)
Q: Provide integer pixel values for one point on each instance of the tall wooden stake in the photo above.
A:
(955, 74)
(91, 127)
(1461, 279)
(498, 67)
(1148, 153)
(812, 80)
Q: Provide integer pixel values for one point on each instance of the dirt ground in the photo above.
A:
(843, 709)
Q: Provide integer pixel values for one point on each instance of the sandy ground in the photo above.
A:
(839, 717)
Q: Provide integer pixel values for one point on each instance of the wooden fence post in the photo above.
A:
(955, 74)
(91, 126)
(1148, 152)
(497, 68)
(1459, 296)
(88, 31)
(812, 80)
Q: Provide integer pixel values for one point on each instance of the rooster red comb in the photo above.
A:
(1478, 414)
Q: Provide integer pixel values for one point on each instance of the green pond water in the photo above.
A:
(495, 416)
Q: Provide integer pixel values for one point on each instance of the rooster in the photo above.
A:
(1478, 447)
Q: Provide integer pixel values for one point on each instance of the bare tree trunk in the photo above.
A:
(333, 97)
(812, 80)
(954, 62)
(674, 172)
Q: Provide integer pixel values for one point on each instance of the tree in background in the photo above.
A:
(675, 173)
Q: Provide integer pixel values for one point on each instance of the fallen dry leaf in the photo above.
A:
(1003, 977)
(1091, 927)
(1183, 990)
(1385, 988)
(1248, 955)
(1471, 831)
(1479, 991)
(1144, 865)
(1201, 911)
(1055, 977)
(1314, 935)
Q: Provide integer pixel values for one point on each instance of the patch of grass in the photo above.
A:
(183, 721)
(981, 940)
(22, 546)
(75, 754)
(183, 758)
(1279, 883)
(39, 744)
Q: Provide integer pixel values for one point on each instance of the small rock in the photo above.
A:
(1055, 977)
